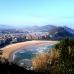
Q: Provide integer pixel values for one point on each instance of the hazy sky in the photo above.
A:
(37, 12)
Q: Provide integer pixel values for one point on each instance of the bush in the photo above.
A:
(66, 55)
(43, 61)
(59, 60)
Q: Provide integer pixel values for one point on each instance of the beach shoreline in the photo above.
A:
(10, 49)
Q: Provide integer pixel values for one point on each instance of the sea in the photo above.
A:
(24, 56)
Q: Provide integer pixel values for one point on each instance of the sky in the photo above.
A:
(37, 12)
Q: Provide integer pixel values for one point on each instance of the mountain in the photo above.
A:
(61, 33)
(56, 31)
(9, 29)
(69, 29)
(2, 27)
(45, 28)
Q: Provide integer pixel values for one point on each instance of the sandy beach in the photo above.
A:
(15, 47)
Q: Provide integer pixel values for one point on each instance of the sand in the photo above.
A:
(15, 47)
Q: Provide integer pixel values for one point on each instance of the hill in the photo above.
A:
(61, 33)
(55, 32)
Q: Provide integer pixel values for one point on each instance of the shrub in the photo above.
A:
(43, 61)
(59, 60)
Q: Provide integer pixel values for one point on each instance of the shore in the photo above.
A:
(8, 50)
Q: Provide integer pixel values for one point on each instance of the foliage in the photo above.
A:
(59, 60)
(43, 61)
(66, 55)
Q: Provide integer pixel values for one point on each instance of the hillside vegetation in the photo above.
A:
(59, 61)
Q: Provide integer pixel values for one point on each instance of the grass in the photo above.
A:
(43, 60)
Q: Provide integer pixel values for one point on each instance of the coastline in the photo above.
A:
(10, 49)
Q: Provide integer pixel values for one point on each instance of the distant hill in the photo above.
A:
(61, 33)
(56, 31)
(6, 27)
(69, 29)
(45, 28)
(9, 29)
